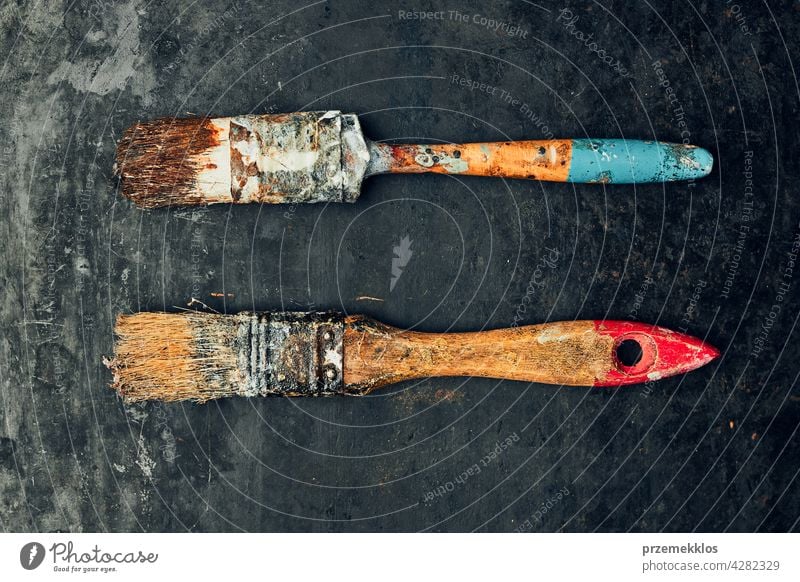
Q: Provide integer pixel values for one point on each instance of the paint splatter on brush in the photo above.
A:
(322, 156)
(201, 356)
(170, 161)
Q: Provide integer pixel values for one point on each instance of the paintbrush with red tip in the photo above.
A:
(201, 356)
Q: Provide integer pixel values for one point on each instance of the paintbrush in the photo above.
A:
(323, 156)
(201, 356)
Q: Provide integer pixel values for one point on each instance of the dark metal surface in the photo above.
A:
(712, 451)
(303, 353)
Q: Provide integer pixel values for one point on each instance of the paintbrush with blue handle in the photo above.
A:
(323, 156)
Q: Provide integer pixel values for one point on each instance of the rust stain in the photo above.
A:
(536, 159)
(603, 178)
(239, 170)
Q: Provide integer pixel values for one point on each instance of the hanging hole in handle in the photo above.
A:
(629, 352)
(634, 353)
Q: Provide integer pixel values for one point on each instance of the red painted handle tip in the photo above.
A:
(645, 352)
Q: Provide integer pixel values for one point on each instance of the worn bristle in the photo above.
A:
(169, 357)
(159, 161)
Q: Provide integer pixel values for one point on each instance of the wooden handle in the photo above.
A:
(577, 353)
(567, 160)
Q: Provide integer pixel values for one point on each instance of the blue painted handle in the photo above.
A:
(627, 161)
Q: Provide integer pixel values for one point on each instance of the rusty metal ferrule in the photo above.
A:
(312, 156)
(291, 353)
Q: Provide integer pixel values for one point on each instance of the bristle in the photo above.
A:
(160, 162)
(171, 357)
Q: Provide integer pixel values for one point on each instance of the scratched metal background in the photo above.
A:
(715, 450)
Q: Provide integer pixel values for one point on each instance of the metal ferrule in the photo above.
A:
(288, 158)
(291, 354)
